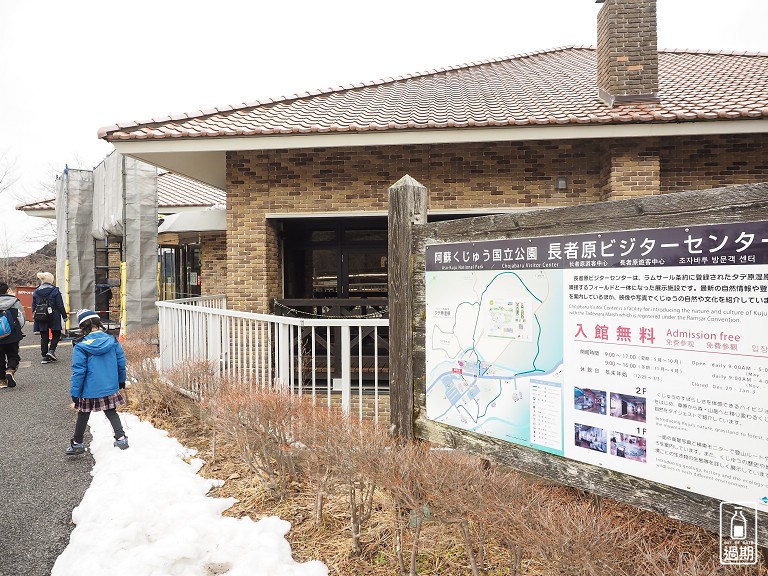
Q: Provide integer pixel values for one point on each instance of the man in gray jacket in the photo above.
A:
(11, 307)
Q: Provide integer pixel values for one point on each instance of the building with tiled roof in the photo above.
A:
(175, 193)
(512, 99)
(549, 88)
(306, 176)
(41, 208)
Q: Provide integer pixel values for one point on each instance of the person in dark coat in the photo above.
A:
(98, 378)
(9, 346)
(47, 290)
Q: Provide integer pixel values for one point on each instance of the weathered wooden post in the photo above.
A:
(407, 206)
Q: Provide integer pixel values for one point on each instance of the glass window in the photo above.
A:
(344, 258)
(325, 273)
(375, 236)
(367, 273)
(322, 236)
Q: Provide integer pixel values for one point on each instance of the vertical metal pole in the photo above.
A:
(346, 380)
(282, 353)
(360, 371)
(329, 372)
(376, 375)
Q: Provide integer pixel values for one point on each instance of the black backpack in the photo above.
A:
(43, 310)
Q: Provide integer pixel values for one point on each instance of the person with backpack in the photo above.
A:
(11, 323)
(48, 309)
(98, 376)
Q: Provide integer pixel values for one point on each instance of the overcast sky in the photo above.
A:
(69, 68)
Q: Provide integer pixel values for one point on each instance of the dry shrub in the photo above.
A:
(317, 430)
(145, 386)
(197, 379)
(455, 483)
(360, 447)
(261, 423)
(397, 472)
(575, 539)
(141, 355)
(506, 503)
(285, 442)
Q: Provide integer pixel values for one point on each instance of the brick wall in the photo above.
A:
(213, 260)
(507, 174)
(253, 271)
(699, 163)
(468, 176)
(633, 169)
(627, 57)
(113, 261)
(368, 405)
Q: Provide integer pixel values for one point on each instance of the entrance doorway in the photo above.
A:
(179, 271)
(337, 268)
(338, 259)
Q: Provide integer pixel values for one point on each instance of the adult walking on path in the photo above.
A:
(49, 317)
(39, 485)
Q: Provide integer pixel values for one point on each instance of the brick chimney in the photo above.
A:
(627, 56)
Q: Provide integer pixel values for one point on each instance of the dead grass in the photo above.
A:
(666, 548)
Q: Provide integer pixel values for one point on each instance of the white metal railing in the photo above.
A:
(278, 351)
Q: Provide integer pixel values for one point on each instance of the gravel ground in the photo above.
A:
(39, 484)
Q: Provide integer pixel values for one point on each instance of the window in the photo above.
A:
(339, 258)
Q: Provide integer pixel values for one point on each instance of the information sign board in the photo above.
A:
(641, 351)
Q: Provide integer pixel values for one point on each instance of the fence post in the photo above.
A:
(346, 378)
(407, 206)
(283, 355)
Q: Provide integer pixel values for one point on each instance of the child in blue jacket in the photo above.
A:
(98, 375)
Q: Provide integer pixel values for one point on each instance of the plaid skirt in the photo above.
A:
(100, 404)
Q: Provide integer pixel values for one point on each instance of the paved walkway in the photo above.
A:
(39, 485)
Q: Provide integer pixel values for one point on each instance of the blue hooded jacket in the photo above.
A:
(98, 366)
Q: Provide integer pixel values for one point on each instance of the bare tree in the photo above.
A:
(46, 186)
(8, 173)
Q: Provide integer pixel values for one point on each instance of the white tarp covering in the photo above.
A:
(212, 219)
(108, 197)
(117, 200)
(74, 243)
(140, 243)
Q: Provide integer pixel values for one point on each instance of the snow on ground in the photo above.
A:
(146, 513)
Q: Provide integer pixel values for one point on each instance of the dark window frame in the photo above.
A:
(297, 241)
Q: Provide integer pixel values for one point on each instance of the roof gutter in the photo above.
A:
(442, 136)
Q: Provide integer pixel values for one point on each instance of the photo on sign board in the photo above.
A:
(628, 446)
(628, 407)
(590, 437)
(589, 400)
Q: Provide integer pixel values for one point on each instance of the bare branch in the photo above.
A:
(8, 172)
